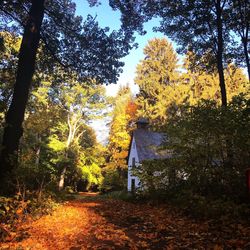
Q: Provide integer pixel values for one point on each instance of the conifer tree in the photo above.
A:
(156, 75)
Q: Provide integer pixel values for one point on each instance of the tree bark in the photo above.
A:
(72, 125)
(38, 151)
(62, 178)
(26, 66)
(242, 8)
(220, 50)
(246, 56)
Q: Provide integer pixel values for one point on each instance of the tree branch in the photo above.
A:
(57, 59)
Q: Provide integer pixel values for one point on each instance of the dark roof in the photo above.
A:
(148, 143)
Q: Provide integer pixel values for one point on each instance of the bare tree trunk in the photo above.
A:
(73, 127)
(246, 56)
(62, 178)
(38, 151)
(26, 66)
(242, 8)
(220, 50)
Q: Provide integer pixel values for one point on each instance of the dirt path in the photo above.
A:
(93, 223)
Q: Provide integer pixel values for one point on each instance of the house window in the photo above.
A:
(133, 185)
(133, 162)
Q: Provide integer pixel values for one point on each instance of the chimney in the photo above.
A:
(142, 123)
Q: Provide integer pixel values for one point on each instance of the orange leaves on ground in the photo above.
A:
(56, 231)
(113, 224)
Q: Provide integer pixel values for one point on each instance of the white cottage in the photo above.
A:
(143, 146)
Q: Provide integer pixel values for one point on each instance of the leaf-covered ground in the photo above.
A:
(93, 223)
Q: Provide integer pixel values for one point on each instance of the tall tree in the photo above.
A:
(80, 46)
(240, 24)
(156, 75)
(201, 24)
(119, 136)
(57, 145)
(119, 139)
(76, 101)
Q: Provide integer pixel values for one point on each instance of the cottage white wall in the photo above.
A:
(132, 154)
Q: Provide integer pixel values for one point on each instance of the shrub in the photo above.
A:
(210, 152)
(113, 180)
(203, 207)
(16, 209)
(119, 195)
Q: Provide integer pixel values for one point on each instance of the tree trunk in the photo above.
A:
(246, 56)
(62, 177)
(72, 124)
(26, 65)
(242, 9)
(220, 50)
(38, 151)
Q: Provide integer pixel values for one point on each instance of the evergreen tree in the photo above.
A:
(156, 75)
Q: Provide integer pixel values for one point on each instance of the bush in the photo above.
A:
(203, 207)
(113, 180)
(16, 209)
(69, 190)
(210, 152)
(119, 195)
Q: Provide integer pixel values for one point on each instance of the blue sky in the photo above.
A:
(108, 18)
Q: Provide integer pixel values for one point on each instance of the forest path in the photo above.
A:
(90, 222)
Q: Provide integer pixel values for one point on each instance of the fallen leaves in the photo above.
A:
(113, 224)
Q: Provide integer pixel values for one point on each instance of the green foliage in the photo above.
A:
(70, 143)
(92, 175)
(113, 179)
(157, 78)
(56, 144)
(119, 195)
(163, 88)
(204, 84)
